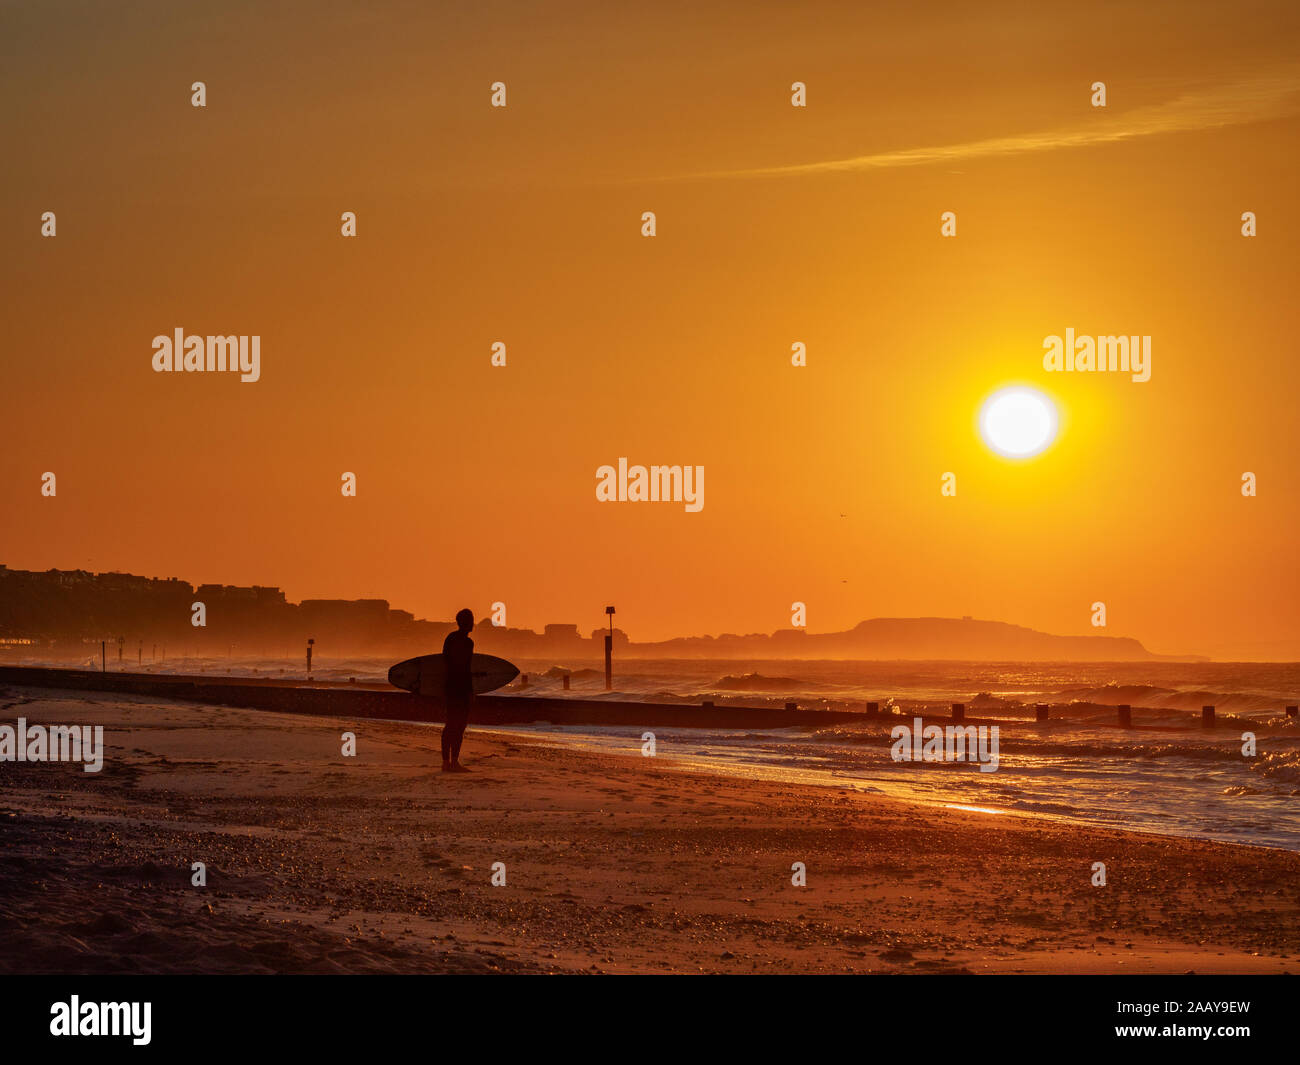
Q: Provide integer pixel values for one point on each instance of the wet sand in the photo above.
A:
(613, 863)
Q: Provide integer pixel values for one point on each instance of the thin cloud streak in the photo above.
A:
(1260, 100)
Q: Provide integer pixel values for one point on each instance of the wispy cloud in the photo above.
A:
(1257, 100)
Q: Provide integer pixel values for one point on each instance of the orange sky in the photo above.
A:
(476, 484)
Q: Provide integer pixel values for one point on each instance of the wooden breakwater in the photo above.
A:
(380, 700)
(358, 701)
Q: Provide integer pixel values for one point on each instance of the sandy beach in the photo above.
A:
(613, 863)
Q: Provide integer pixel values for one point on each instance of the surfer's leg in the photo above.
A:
(446, 740)
(458, 736)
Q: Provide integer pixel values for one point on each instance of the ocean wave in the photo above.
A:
(1153, 697)
(1281, 766)
(749, 682)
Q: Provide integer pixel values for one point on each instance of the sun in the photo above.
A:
(1018, 422)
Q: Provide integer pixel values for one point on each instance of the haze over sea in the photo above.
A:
(1167, 776)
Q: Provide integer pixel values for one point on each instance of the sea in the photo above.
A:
(1167, 775)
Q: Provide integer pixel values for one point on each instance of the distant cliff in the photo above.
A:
(964, 639)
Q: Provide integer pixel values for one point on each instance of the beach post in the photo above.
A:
(1207, 717)
(1291, 711)
(103, 656)
(1125, 716)
(310, 643)
(873, 709)
(1040, 711)
(609, 651)
(959, 711)
(523, 680)
(566, 682)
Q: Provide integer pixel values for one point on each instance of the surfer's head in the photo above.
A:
(465, 619)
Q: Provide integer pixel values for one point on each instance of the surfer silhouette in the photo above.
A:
(457, 690)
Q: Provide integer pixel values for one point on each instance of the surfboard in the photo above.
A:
(424, 675)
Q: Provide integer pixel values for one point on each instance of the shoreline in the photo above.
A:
(613, 863)
(869, 790)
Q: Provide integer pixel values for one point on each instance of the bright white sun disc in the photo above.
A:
(1018, 422)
